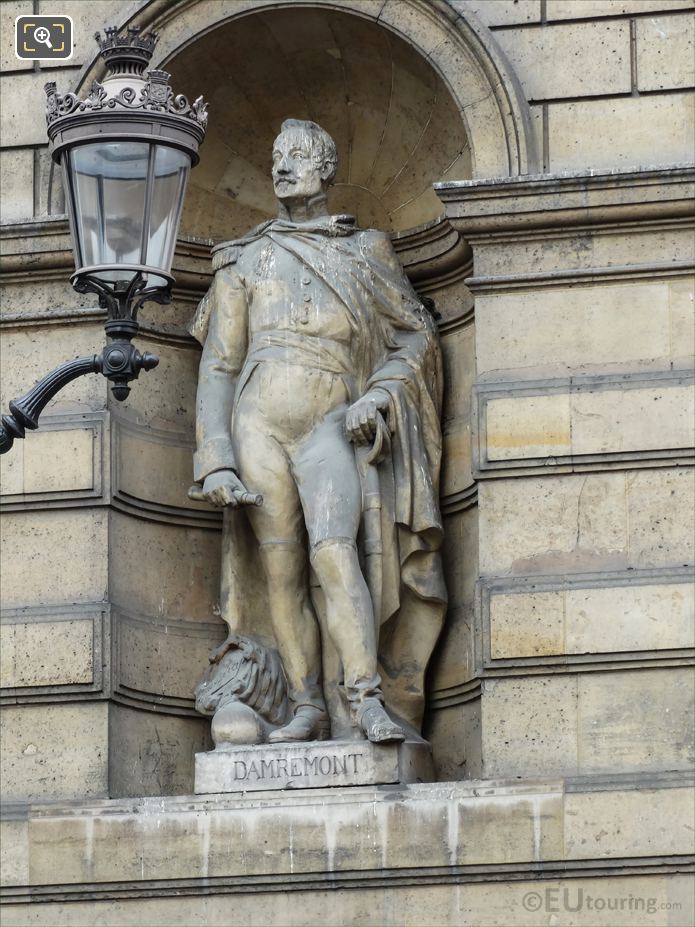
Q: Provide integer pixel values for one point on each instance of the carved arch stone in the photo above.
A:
(450, 37)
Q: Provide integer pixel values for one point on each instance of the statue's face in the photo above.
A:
(296, 175)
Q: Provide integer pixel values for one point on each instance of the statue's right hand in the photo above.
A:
(222, 488)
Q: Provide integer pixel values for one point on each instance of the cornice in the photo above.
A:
(583, 276)
(551, 201)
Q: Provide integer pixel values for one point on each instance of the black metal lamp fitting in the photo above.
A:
(126, 151)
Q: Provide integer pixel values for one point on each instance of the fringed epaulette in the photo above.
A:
(225, 254)
(229, 252)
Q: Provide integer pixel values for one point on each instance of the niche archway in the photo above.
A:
(395, 123)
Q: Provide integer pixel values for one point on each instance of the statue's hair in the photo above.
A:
(322, 145)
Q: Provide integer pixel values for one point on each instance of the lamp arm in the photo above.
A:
(120, 362)
(25, 412)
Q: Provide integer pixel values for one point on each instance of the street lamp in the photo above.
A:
(126, 151)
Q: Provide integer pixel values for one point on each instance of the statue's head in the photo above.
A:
(304, 160)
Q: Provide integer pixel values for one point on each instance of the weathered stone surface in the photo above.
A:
(454, 732)
(628, 822)
(640, 518)
(40, 471)
(590, 327)
(586, 250)
(182, 565)
(54, 751)
(530, 426)
(529, 726)
(586, 900)
(627, 721)
(633, 419)
(665, 53)
(635, 720)
(151, 753)
(67, 551)
(328, 764)
(8, 13)
(501, 14)
(535, 53)
(47, 653)
(570, 9)
(583, 419)
(155, 465)
(617, 128)
(23, 104)
(17, 181)
(681, 304)
(529, 624)
(581, 621)
(661, 517)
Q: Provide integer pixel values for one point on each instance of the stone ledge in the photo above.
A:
(421, 833)
(564, 199)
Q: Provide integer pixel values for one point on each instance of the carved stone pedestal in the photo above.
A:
(311, 765)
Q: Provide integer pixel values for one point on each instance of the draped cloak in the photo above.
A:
(394, 347)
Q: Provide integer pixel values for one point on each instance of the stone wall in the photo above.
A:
(567, 494)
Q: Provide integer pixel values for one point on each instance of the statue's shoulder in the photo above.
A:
(378, 245)
(228, 253)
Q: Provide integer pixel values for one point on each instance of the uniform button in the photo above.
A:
(306, 281)
(307, 298)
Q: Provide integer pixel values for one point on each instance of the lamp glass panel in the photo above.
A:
(171, 168)
(109, 180)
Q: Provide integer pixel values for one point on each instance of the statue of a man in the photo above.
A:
(319, 389)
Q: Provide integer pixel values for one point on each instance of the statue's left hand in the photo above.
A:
(362, 416)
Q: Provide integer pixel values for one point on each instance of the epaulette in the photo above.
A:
(223, 255)
(228, 252)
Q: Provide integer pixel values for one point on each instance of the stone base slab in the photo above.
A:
(313, 765)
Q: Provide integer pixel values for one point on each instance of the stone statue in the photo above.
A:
(318, 432)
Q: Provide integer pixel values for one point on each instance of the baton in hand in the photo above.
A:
(241, 497)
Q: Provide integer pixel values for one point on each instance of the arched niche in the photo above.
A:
(396, 126)
(450, 38)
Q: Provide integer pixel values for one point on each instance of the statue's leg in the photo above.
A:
(279, 529)
(330, 492)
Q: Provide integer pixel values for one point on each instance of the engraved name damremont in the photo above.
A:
(295, 767)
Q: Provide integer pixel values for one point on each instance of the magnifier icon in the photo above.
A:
(41, 34)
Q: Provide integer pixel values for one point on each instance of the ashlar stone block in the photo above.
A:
(65, 550)
(614, 619)
(592, 521)
(54, 751)
(571, 9)
(535, 55)
(620, 132)
(563, 329)
(665, 52)
(47, 653)
(17, 182)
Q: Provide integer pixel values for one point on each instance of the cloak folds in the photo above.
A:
(395, 348)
